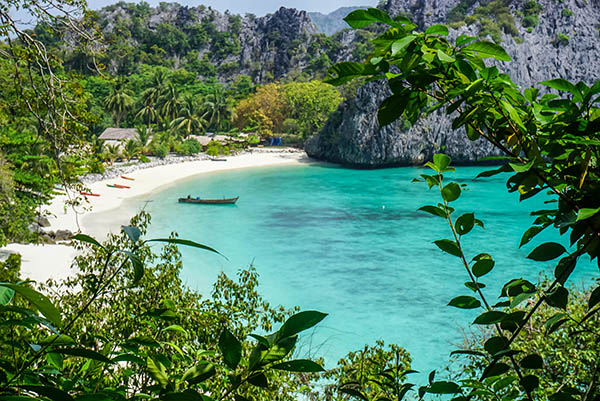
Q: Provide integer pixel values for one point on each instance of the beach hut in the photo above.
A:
(117, 136)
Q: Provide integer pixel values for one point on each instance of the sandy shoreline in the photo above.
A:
(40, 262)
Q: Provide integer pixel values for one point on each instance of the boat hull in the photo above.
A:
(226, 201)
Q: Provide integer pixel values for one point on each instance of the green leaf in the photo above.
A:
(490, 317)
(83, 353)
(449, 246)
(299, 365)
(40, 301)
(53, 393)
(533, 361)
(547, 251)
(451, 192)
(465, 223)
(444, 58)
(132, 232)
(199, 373)
(354, 393)
(231, 348)
(185, 242)
(594, 298)
(6, 295)
(564, 86)
(391, 109)
(495, 369)
(138, 266)
(473, 286)
(437, 30)
(483, 264)
(465, 302)
(488, 49)
(441, 161)
(401, 44)
(346, 71)
(157, 370)
(530, 382)
(555, 322)
(558, 298)
(362, 18)
(584, 213)
(443, 387)
(88, 239)
(521, 168)
(300, 322)
(434, 210)
(564, 268)
(530, 234)
(259, 380)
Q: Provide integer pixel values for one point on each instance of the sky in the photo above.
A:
(257, 7)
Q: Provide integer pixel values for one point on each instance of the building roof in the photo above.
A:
(119, 134)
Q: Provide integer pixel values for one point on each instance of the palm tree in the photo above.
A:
(119, 101)
(169, 103)
(131, 149)
(112, 153)
(144, 135)
(189, 119)
(148, 114)
(150, 98)
(217, 108)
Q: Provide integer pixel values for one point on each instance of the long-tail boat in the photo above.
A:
(224, 201)
(89, 194)
(127, 178)
(117, 186)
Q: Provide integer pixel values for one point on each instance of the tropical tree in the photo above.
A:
(189, 121)
(111, 153)
(120, 101)
(169, 103)
(217, 109)
(131, 149)
(144, 134)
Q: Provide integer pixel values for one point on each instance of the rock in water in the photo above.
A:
(353, 137)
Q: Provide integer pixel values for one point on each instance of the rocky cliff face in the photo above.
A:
(215, 44)
(563, 44)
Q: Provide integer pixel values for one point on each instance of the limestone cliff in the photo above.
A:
(563, 43)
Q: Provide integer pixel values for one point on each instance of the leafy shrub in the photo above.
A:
(160, 150)
(191, 147)
(215, 148)
(567, 13)
(562, 39)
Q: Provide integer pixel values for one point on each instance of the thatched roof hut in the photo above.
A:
(119, 134)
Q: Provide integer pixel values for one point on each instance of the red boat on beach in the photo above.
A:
(127, 178)
(117, 186)
(89, 194)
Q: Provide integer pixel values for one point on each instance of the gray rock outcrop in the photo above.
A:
(353, 137)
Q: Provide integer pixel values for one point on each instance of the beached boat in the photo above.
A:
(224, 201)
(127, 178)
(218, 160)
(89, 194)
(117, 186)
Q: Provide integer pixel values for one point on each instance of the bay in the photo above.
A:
(352, 244)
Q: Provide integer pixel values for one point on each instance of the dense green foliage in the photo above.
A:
(125, 327)
(550, 143)
(296, 108)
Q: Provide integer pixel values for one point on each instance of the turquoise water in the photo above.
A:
(352, 244)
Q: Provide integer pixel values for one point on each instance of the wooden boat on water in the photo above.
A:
(224, 201)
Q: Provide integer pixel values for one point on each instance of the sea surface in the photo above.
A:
(351, 243)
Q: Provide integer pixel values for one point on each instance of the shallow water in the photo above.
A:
(352, 244)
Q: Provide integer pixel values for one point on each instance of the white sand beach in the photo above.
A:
(40, 262)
